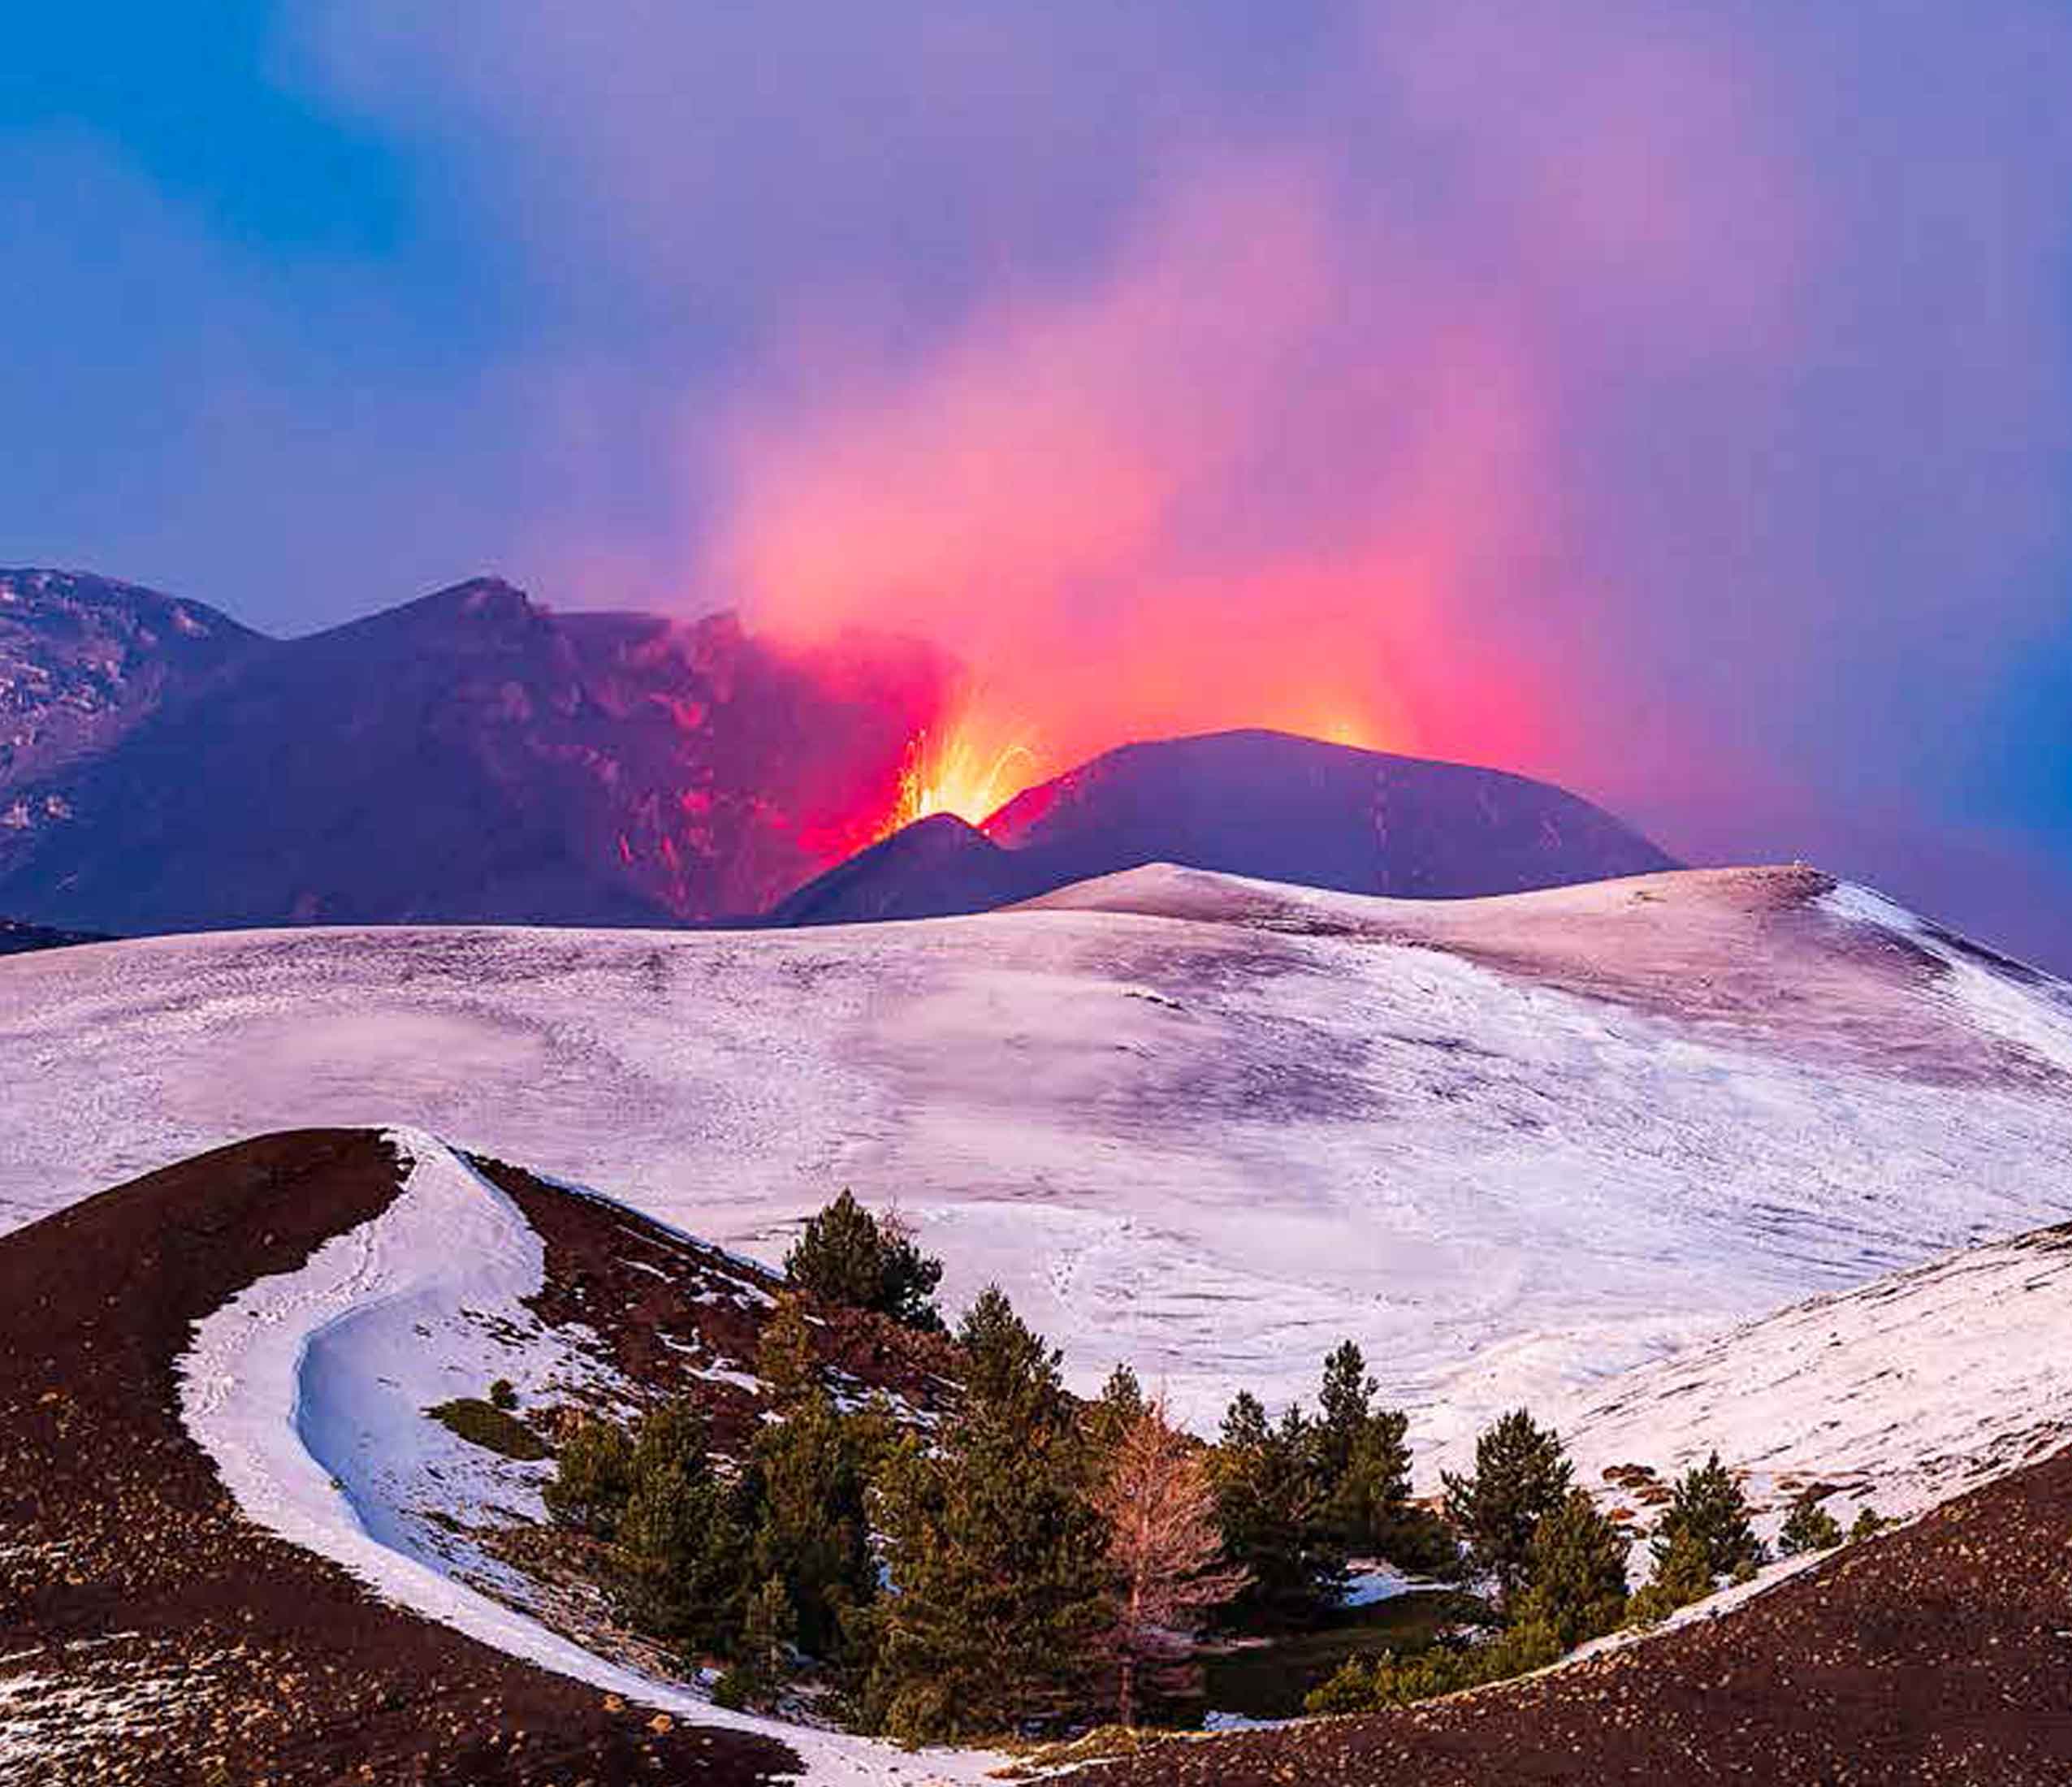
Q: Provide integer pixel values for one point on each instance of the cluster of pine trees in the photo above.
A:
(1558, 1566)
(1033, 1562)
(1297, 1498)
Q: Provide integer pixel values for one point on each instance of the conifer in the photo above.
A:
(683, 1554)
(1683, 1573)
(1708, 1504)
(1115, 1411)
(1809, 1527)
(593, 1477)
(996, 1554)
(808, 1481)
(839, 1257)
(1165, 1552)
(762, 1658)
(1521, 1475)
(784, 1355)
(1575, 1573)
(1270, 1505)
(845, 1255)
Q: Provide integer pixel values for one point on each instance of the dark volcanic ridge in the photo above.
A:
(155, 1634)
(473, 757)
(1263, 804)
(470, 757)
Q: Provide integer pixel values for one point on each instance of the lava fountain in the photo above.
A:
(962, 767)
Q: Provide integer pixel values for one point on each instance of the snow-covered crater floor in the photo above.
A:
(308, 1389)
(1202, 1124)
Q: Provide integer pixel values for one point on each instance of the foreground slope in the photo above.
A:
(1931, 1656)
(154, 1633)
(234, 1543)
(234, 1546)
(1247, 802)
(1208, 1125)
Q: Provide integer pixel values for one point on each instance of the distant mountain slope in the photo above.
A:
(85, 659)
(1898, 1393)
(936, 868)
(1257, 803)
(1208, 1125)
(468, 756)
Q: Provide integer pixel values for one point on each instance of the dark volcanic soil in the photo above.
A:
(149, 1632)
(667, 1308)
(1941, 1653)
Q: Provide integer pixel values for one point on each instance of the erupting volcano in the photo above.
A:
(627, 769)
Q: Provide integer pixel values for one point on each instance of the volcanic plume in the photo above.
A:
(1040, 500)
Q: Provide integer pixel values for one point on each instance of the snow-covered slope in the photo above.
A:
(1899, 1394)
(1205, 1124)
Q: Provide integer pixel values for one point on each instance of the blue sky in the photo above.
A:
(1672, 400)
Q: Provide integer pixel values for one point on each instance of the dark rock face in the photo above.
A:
(470, 757)
(84, 660)
(1257, 803)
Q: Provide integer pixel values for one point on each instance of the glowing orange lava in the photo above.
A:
(957, 769)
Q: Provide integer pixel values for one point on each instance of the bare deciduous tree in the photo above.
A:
(1165, 1550)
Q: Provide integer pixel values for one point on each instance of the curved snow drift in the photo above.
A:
(307, 1389)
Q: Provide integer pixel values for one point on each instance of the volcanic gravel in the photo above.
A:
(149, 1632)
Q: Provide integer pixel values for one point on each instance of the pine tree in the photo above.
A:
(1343, 1405)
(1165, 1552)
(683, 1556)
(907, 1277)
(784, 1355)
(762, 1658)
(1868, 1524)
(808, 1480)
(846, 1255)
(673, 1434)
(1363, 1463)
(1115, 1411)
(1809, 1527)
(839, 1257)
(1521, 1475)
(996, 1554)
(1708, 1504)
(1683, 1573)
(1270, 1505)
(1575, 1573)
(593, 1477)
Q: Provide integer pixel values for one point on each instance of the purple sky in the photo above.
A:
(1672, 400)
